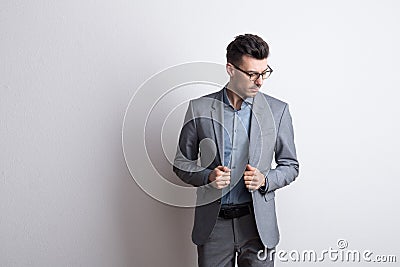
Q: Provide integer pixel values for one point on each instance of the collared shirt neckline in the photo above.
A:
(248, 100)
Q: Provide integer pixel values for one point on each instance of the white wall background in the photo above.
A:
(69, 68)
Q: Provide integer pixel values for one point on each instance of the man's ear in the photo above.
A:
(229, 69)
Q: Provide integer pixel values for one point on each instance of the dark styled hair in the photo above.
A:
(247, 44)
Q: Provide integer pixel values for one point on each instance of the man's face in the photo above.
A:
(240, 83)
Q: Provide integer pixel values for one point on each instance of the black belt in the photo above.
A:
(235, 211)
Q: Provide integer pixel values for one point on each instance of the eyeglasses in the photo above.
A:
(253, 76)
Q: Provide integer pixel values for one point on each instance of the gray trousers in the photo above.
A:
(231, 236)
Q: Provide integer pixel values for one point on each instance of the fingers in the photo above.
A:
(219, 173)
(223, 168)
(252, 179)
(250, 168)
(251, 184)
(248, 180)
(249, 173)
(222, 183)
(222, 177)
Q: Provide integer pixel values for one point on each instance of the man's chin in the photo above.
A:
(252, 92)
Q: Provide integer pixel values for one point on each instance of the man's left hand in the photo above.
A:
(253, 178)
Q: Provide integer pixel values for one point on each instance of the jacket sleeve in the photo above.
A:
(186, 165)
(287, 168)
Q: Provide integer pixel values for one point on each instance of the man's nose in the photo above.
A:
(259, 81)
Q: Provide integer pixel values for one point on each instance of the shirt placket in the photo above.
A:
(234, 146)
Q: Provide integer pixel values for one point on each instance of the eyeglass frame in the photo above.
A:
(268, 70)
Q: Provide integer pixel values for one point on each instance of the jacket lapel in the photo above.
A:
(217, 117)
(262, 130)
(262, 133)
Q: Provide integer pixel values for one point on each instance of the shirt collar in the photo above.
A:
(248, 100)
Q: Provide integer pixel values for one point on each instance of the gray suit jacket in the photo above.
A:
(200, 149)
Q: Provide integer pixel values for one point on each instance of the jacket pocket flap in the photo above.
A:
(270, 195)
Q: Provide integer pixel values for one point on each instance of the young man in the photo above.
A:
(226, 148)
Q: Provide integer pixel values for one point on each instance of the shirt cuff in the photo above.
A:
(263, 189)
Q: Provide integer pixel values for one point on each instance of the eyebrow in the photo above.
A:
(258, 72)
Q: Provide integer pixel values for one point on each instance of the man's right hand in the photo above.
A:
(220, 177)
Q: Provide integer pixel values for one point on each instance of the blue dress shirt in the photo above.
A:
(236, 149)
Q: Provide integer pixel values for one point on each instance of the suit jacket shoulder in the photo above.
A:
(211, 96)
(275, 103)
(202, 105)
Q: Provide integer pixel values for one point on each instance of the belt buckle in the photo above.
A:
(228, 213)
(234, 212)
